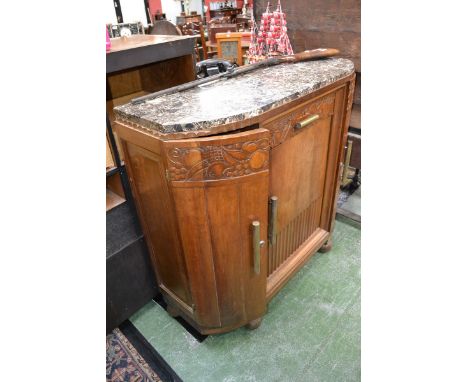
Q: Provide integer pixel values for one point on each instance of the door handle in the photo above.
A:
(307, 121)
(256, 245)
(272, 217)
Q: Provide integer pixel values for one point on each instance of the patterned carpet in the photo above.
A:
(348, 191)
(343, 197)
(124, 363)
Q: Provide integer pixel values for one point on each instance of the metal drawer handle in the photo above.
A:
(256, 245)
(273, 215)
(307, 121)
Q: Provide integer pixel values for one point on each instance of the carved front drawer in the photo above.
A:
(218, 157)
(300, 117)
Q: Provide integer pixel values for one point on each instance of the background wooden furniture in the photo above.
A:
(195, 28)
(231, 217)
(136, 66)
(213, 48)
(229, 47)
(192, 18)
(213, 29)
(215, 6)
(228, 12)
(243, 23)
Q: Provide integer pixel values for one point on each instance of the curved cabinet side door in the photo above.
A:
(155, 209)
(220, 186)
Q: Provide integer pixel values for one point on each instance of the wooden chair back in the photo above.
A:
(194, 29)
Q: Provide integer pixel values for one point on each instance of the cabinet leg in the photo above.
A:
(172, 311)
(254, 324)
(327, 246)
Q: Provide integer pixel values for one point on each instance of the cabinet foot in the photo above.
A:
(254, 324)
(327, 246)
(172, 311)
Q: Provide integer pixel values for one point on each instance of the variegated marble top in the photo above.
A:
(235, 99)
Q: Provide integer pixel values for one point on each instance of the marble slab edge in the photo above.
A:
(220, 125)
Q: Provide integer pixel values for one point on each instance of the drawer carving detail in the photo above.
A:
(281, 127)
(218, 162)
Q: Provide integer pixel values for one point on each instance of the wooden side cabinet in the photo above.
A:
(230, 218)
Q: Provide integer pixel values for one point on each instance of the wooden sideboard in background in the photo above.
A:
(135, 66)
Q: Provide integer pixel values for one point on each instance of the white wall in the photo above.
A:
(172, 9)
(110, 16)
(196, 5)
(133, 10)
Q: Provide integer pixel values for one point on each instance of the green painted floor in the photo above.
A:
(311, 331)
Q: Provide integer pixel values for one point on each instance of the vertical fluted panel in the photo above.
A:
(291, 237)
